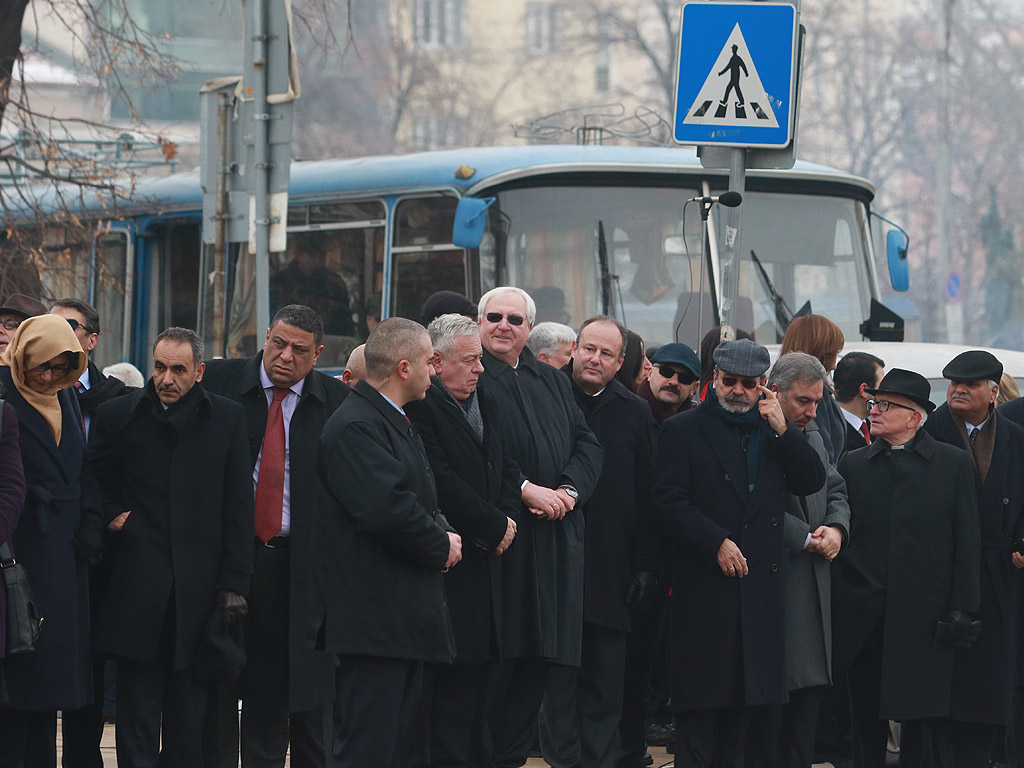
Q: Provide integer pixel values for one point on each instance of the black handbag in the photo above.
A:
(23, 620)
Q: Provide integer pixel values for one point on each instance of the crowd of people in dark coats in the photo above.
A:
(467, 547)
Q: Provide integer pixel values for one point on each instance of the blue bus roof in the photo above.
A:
(394, 174)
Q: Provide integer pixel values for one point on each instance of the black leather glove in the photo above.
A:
(88, 543)
(641, 592)
(957, 629)
(232, 605)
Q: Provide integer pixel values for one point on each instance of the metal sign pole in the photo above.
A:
(730, 248)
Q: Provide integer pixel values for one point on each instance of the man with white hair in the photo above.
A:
(478, 492)
(906, 589)
(552, 343)
(542, 574)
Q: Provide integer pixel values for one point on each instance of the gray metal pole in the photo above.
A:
(729, 246)
(261, 165)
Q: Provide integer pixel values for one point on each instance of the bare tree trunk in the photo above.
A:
(12, 12)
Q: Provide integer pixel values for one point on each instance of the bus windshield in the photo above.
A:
(808, 248)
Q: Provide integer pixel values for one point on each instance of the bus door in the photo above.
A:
(423, 259)
(334, 263)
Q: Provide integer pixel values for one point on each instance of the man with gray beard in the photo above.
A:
(720, 479)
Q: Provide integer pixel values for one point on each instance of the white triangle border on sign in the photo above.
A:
(715, 85)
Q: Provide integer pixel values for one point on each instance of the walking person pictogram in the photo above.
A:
(734, 66)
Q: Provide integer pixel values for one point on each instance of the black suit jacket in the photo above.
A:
(384, 540)
(309, 672)
(190, 531)
(478, 490)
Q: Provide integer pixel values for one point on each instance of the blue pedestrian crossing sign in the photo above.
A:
(736, 83)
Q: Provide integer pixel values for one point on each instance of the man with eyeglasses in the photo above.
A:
(15, 309)
(672, 380)
(906, 588)
(983, 674)
(721, 476)
(582, 705)
(542, 573)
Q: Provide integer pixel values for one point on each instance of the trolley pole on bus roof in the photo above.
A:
(737, 99)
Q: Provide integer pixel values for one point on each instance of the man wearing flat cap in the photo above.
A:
(16, 308)
(721, 477)
(672, 380)
(983, 674)
(905, 592)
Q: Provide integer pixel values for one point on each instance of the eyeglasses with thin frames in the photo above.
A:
(885, 405)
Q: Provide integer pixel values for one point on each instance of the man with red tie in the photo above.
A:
(287, 402)
(855, 374)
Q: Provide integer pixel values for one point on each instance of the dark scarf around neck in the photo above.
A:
(750, 424)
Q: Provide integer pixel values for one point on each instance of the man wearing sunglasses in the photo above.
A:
(16, 308)
(93, 388)
(542, 573)
(906, 588)
(721, 476)
(674, 377)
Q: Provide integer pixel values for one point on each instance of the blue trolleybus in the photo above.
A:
(584, 229)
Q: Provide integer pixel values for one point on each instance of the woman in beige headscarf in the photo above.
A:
(57, 534)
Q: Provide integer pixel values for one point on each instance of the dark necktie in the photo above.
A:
(270, 486)
(79, 389)
(973, 437)
(866, 431)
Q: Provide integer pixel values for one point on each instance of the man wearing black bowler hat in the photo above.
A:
(720, 481)
(983, 674)
(905, 593)
(673, 378)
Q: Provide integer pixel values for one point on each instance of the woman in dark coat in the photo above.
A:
(12, 499)
(58, 531)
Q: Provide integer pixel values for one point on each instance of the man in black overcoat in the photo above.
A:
(285, 684)
(905, 591)
(478, 492)
(385, 544)
(175, 475)
(1014, 411)
(542, 575)
(621, 560)
(720, 478)
(983, 674)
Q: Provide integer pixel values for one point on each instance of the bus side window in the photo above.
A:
(423, 260)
